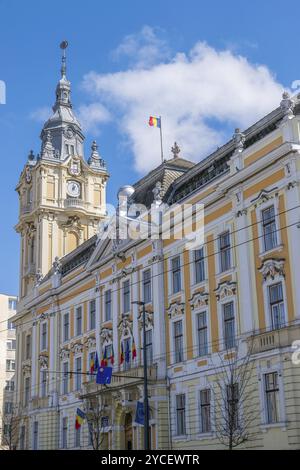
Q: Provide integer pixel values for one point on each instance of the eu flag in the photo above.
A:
(127, 352)
(104, 375)
(139, 413)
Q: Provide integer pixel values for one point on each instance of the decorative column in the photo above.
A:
(135, 313)
(99, 303)
(115, 318)
(34, 358)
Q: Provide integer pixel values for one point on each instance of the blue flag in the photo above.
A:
(96, 365)
(104, 375)
(139, 413)
(127, 352)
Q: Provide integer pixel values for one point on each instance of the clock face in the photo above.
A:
(73, 189)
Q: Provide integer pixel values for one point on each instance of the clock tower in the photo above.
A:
(62, 196)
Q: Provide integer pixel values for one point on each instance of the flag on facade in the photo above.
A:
(80, 417)
(122, 353)
(133, 349)
(104, 359)
(112, 357)
(96, 365)
(155, 121)
(139, 413)
(127, 352)
(104, 375)
(92, 364)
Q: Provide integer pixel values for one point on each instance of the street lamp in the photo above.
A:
(146, 405)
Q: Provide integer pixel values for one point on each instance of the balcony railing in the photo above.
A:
(75, 203)
(273, 339)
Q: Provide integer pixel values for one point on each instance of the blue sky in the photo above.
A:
(198, 64)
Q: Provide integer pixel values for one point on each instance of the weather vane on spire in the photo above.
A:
(63, 46)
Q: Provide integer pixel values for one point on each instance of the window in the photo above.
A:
(178, 341)
(224, 248)
(44, 336)
(10, 365)
(66, 332)
(43, 383)
(10, 385)
(232, 391)
(65, 378)
(77, 437)
(78, 377)
(28, 347)
(8, 407)
(147, 286)
(7, 430)
(180, 415)
(126, 296)
(202, 333)
(11, 344)
(108, 305)
(229, 325)
(269, 228)
(149, 347)
(12, 304)
(22, 438)
(78, 321)
(35, 435)
(176, 274)
(91, 357)
(92, 314)
(10, 325)
(272, 397)
(277, 306)
(199, 265)
(65, 433)
(27, 391)
(205, 424)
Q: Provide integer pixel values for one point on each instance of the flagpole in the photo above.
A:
(161, 145)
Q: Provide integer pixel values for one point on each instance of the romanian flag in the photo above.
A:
(92, 364)
(122, 354)
(80, 417)
(154, 121)
(104, 359)
(133, 349)
(112, 357)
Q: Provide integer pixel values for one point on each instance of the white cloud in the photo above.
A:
(144, 48)
(90, 116)
(41, 114)
(197, 94)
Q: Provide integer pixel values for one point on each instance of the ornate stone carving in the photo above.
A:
(64, 353)
(225, 289)
(43, 361)
(26, 367)
(125, 327)
(38, 277)
(264, 196)
(125, 272)
(157, 192)
(77, 348)
(90, 342)
(199, 299)
(175, 150)
(287, 106)
(239, 140)
(270, 268)
(148, 318)
(47, 147)
(175, 309)
(74, 167)
(56, 265)
(106, 335)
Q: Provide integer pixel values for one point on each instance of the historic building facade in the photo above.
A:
(7, 366)
(222, 315)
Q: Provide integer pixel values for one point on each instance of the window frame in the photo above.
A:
(227, 248)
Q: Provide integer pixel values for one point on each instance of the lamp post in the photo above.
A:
(146, 405)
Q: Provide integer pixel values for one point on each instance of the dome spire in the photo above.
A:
(63, 46)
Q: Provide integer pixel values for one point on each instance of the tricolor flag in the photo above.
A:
(133, 350)
(80, 417)
(104, 359)
(122, 354)
(92, 364)
(154, 121)
(112, 357)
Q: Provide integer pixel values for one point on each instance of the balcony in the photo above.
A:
(74, 203)
(273, 339)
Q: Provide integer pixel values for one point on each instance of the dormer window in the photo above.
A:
(70, 149)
